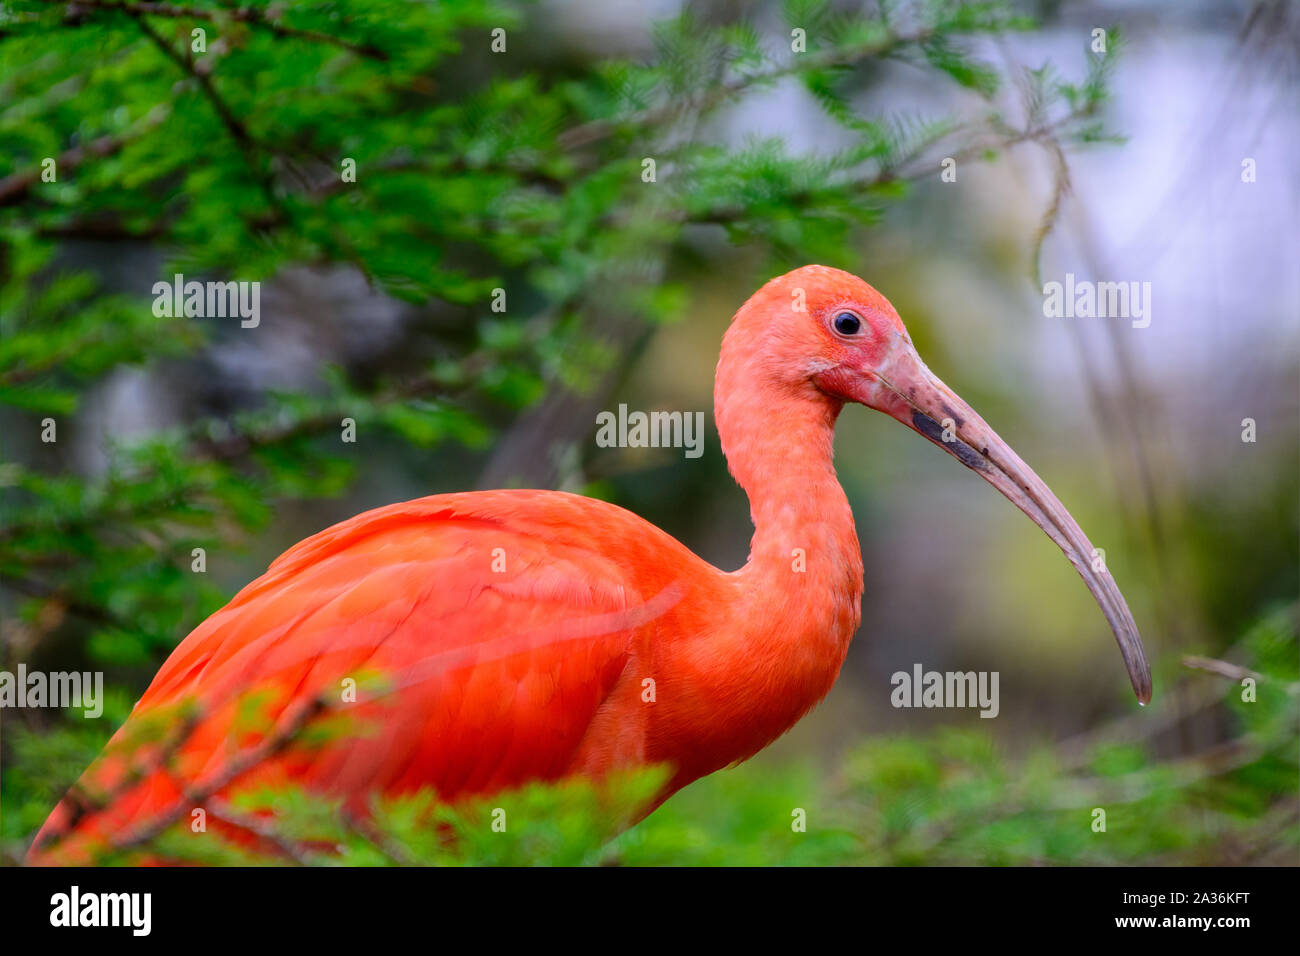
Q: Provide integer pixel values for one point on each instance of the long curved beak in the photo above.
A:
(910, 392)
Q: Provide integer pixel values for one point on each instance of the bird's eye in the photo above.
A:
(846, 323)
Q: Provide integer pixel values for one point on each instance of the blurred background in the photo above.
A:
(1123, 141)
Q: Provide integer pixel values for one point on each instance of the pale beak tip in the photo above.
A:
(1142, 688)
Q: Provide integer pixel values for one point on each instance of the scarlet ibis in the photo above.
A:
(535, 635)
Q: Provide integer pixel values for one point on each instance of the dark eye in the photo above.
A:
(846, 323)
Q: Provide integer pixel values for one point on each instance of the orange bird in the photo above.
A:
(536, 635)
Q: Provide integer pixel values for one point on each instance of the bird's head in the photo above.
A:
(823, 334)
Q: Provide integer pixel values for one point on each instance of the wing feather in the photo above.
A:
(496, 622)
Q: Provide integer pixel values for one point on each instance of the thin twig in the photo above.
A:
(16, 185)
(198, 794)
(83, 803)
(595, 130)
(221, 810)
(371, 834)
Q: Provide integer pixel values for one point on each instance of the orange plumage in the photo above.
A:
(516, 630)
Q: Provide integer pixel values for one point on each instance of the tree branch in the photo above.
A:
(198, 795)
(14, 187)
(596, 130)
(249, 15)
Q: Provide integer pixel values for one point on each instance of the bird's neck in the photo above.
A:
(778, 643)
(805, 565)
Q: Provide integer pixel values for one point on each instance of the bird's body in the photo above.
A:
(535, 635)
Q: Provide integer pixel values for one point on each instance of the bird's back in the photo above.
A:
(486, 632)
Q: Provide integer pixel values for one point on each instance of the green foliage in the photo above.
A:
(957, 798)
(567, 824)
(954, 797)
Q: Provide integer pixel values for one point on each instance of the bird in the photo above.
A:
(538, 635)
